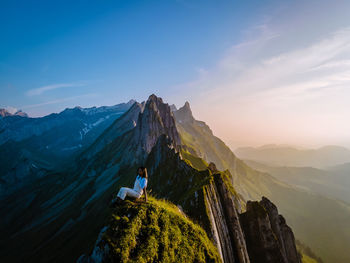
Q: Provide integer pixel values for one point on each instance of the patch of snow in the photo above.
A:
(86, 130)
(11, 110)
(72, 148)
(98, 122)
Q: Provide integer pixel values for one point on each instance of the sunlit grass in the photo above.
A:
(157, 231)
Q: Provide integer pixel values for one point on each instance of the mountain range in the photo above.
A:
(61, 214)
(31, 147)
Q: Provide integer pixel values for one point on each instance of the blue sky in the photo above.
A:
(110, 51)
(256, 71)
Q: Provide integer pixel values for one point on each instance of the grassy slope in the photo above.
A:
(156, 232)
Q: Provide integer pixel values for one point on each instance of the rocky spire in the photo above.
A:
(184, 114)
(155, 120)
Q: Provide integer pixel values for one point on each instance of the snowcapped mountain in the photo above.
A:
(6, 113)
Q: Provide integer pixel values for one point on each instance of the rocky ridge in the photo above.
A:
(207, 196)
(73, 198)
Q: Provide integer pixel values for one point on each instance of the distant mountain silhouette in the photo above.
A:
(289, 156)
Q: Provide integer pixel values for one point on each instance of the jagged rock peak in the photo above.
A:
(131, 102)
(155, 120)
(184, 114)
(173, 107)
(21, 113)
(268, 237)
(6, 113)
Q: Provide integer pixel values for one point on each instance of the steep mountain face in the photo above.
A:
(67, 210)
(269, 238)
(155, 120)
(314, 229)
(34, 146)
(124, 124)
(224, 217)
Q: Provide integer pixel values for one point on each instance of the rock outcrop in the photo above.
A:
(184, 114)
(269, 239)
(156, 119)
(222, 209)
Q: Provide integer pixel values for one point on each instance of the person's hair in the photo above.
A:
(144, 171)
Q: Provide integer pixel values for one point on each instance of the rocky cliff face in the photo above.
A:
(157, 119)
(229, 204)
(268, 237)
(122, 125)
(184, 114)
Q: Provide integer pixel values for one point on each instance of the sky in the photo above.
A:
(257, 72)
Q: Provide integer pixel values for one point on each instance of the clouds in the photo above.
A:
(41, 90)
(296, 96)
(302, 66)
(61, 100)
(315, 70)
